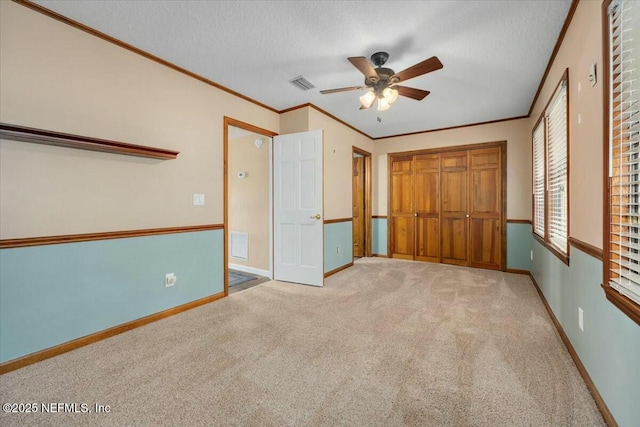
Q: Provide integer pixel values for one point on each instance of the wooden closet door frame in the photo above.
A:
(368, 170)
(439, 150)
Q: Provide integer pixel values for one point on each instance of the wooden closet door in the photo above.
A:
(358, 206)
(485, 207)
(427, 207)
(454, 228)
(402, 211)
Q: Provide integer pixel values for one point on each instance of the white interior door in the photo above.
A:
(297, 208)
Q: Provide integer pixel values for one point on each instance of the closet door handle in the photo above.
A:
(467, 215)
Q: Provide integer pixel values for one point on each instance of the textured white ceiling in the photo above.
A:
(494, 52)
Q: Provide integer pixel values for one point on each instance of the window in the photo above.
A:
(622, 139)
(551, 174)
(557, 169)
(538, 178)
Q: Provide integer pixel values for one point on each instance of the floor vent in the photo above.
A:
(301, 83)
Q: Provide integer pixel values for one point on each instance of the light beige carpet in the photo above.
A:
(384, 343)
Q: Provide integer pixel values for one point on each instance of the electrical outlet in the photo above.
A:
(170, 279)
(581, 319)
(531, 254)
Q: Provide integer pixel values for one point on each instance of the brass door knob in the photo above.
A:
(316, 216)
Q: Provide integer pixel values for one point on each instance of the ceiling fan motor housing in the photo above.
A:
(379, 58)
(383, 80)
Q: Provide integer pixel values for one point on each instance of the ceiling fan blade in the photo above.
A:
(365, 67)
(413, 93)
(424, 67)
(342, 89)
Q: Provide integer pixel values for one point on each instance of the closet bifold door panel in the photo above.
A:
(448, 205)
(358, 206)
(402, 211)
(485, 208)
(455, 219)
(427, 207)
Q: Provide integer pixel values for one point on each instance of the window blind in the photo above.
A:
(624, 147)
(538, 179)
(557, 169)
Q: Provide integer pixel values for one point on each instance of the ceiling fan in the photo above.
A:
(383, 83)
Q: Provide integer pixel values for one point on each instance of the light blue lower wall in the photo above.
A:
(53, 294)
(519, 246)
(338, 235)
(379, 236)
(609, 347)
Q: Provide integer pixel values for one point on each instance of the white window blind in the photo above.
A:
(538, 179)
(624, 147)
(557, 185)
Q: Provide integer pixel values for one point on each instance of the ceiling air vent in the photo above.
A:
(301, 83)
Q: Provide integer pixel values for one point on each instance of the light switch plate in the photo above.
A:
(198, 199)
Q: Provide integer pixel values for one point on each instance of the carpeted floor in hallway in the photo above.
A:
(384, 343)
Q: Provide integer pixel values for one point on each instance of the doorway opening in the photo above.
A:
(248, 218)
(361, 201)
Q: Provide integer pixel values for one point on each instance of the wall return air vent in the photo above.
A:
(301, 83)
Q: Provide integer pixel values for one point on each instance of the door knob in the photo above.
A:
(467, 216)
(316, 216)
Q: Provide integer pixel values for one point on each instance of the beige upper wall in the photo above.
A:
(338, 141)
(515, 132)
(295, 121)
(581, 47)
(59, 78)
(249, 197)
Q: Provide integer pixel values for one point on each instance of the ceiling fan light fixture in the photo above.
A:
(368, 99)
(390, 94)
(383, 104)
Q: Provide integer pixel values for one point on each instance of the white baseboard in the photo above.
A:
(250, 270)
